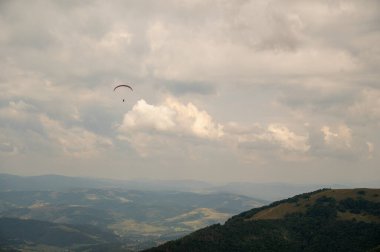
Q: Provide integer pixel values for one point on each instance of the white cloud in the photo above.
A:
(164, 127)
(75, 141)
(196, 121)
(171, 117)
(371, 149)
(288, 139)
(264, 144)
(339, 137)
(145, 116)
(275, 135)
(343, 142)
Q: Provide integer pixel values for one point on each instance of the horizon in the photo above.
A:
(242, 91)
(368, 184)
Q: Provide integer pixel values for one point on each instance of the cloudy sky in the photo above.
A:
(223, 90)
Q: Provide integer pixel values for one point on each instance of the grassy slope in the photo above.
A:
(326, 220)
(280, 211)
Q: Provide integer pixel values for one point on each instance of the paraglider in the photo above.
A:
(119, 86)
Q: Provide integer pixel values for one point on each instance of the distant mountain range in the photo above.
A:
(262, 191)
(85, 214)
(324, 220)
(136, 218)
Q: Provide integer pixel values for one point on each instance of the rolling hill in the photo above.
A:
(262, 191)
(9, 182)
(37, 235)
(324, 220)
(139, 219)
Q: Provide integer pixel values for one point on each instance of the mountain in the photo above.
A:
(262, 191)
(40, 235)
(323, 220)
(140, 219)
(270, 191)
(10, 182)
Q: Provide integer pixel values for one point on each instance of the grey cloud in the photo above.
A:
(356, 149)
(284, 34)
(292, 63)
(23, 28)
(36, 132)
(183, 88)
(318, 99)
(365, 108)
(259, 146)
(98, 120)
(20, 116)
(245, 22)
(265, 143)
(7, 148)
(356, 105)
(66, 40)
(74, 31)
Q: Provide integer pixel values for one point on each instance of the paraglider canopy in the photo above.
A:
(121, 86)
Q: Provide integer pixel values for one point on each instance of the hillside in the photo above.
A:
(36, 235)
(324, 220)
(140, 219)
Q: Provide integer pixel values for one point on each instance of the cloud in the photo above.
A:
(21, 129)
(146, 116)
(7, 145)
(186, 88)
(275, 135)
(172, 117)
(20, 116)
(16, 111)
(366, 107)
(75, 141)
(242, 23)
(339, 141)
(255, 41)
(299, 78)
(8, 148)
(288, 139)
(31, 131)
(339, 138)
(264, 143)
(157, 127)
(371, 149)
(222, 42)
(196, 121)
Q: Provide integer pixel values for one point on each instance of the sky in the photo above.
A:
(245, 90)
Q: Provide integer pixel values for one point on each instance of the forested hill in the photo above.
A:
(324, 220)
